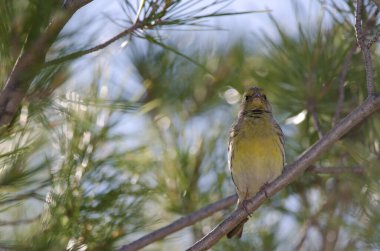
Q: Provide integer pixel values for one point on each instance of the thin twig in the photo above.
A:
(98, 47)
(29, 63)
(314, 116)
(360, 37)
(373, 40)
(32, 193)
(311, 221)
(377, 2)
(304, 235)
(292, 171)
(19, 222)
(180, 223)
(347, 61)
(371, 25)
(341, 81)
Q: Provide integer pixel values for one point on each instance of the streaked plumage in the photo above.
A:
(256, 148)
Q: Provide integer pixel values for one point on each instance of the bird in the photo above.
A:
(256, 153)
(66, 3)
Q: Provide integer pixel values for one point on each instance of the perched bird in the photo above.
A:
(66, 3)
(256, 149)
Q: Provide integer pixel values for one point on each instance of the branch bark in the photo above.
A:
(341, 81)
(213, 208)
(292, 171)
(314, 115)
(180, 223)
(360, 37)
(368, 107)
(29, 63)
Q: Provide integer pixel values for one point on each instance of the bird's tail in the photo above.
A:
(237, 231)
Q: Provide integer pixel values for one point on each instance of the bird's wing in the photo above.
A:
(280, 135)
(233, 133)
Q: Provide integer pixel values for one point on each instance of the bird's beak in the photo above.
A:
(257, 96)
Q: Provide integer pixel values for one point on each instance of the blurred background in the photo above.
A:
(111, 145)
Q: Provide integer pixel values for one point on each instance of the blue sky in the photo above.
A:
(96, 26)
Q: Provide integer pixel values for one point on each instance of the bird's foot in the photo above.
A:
(244, 205)
(263, 188)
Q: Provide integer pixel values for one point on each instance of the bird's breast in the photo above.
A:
(256, 158)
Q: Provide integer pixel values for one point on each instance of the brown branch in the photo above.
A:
(360, 37)
(292, 171)
(312, 109)
(311, 221)
(370, 25)
(213, 208)
(29, 63)
(78, 54)
(377, 2)
(180, 223)
(373, 40)
(74, 5)
(347, 61)
(304, 235)
(138, 24)
(342, 79)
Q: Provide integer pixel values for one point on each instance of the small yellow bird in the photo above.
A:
(256, 149)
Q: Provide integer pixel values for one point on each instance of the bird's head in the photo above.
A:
(255, 99)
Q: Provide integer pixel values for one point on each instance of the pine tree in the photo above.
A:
(98, 162)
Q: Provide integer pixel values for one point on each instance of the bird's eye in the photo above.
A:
(246, 97)
(265, 97)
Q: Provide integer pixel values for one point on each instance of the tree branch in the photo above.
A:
(373, 40)
(74, 5)
(360, 37)
(311, 221)
(180, 223)
(213, 208)
(292, 171)
(25, 194)
(342, 79)
(19, 222)
(314, 116)
(29, 63)
(377, 2)
(78, 54)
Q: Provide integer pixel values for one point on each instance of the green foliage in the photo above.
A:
(83, 169)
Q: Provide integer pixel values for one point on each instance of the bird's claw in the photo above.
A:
(243, 204)
(263, 188)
